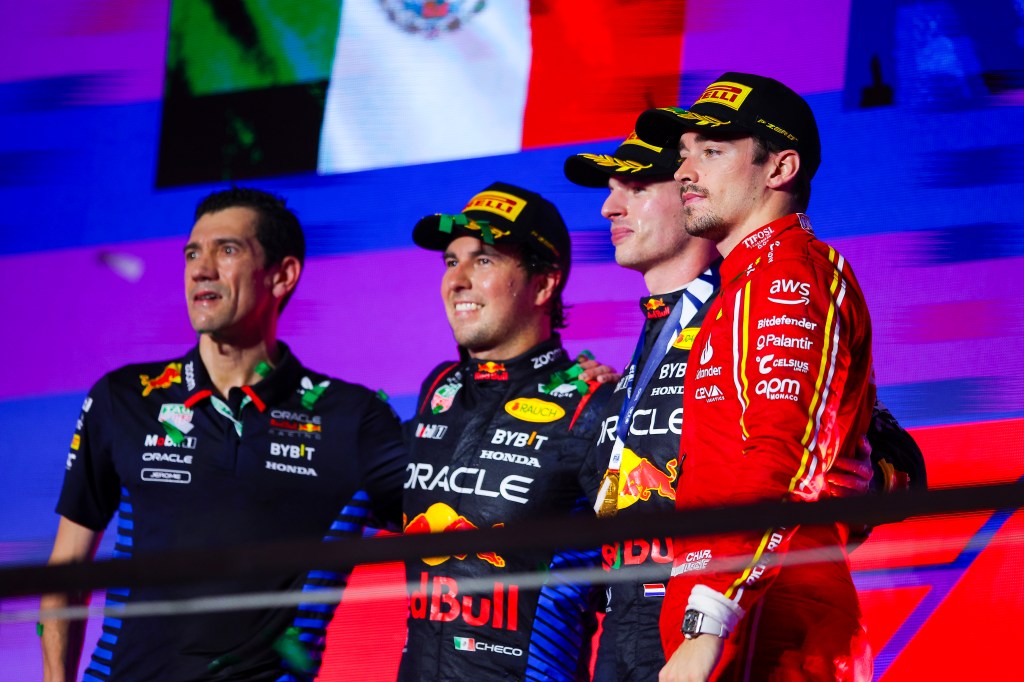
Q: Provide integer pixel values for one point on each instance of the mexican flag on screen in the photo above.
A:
(419, 82)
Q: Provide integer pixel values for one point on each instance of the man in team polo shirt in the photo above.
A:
(232, 443)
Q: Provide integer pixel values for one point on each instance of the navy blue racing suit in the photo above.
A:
(494, 443)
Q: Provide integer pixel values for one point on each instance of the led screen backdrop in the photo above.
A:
(117, 115)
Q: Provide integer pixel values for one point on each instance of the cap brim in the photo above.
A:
(662, 127)
(427, 234)
(584, 172)
(593, 170)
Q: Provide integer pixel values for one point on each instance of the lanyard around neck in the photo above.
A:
(634, 392)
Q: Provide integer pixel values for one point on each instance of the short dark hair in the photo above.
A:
(763, 148)
(536, 264)
(277, 228)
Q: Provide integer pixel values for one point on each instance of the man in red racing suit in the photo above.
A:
(778, 386)
(785, 350)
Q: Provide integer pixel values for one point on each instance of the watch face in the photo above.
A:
(691, 621)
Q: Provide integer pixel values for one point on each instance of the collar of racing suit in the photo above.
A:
(271, 389)
(544, 356)
(747, 253)
(654, 322)
(658, 306)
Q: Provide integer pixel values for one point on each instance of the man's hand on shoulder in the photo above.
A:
(595, 371)
(694, 660)
(851, 476)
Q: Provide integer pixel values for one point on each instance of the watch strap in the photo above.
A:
(699, 623)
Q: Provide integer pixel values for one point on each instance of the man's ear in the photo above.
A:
(547, 285)
(286, 276)
(783, 168)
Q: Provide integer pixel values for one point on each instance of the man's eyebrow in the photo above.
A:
(217, 242)
(701, 138)
(473, 254)
(698, 137)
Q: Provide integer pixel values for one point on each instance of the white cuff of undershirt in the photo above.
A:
(716, 605)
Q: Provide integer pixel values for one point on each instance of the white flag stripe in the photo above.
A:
(398, 98)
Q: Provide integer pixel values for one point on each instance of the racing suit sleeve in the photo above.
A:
(588, 425)
(384, 457)
(92, 488)
(799, 362)
(575, 602)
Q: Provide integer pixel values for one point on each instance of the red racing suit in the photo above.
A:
(779, 385)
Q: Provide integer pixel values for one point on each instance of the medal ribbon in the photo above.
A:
(606, 503)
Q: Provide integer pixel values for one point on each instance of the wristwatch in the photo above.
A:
(698, 623)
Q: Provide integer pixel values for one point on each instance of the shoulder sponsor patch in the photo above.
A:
(758, 239)
(442, 399)
(534, 410)
(790, 292)
(685, 339)
(311, 392)
(177, 415)
(431, 431)
(170, 375)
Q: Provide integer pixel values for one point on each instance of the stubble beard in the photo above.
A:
(474, 338)
(706, 225)
(206, 324)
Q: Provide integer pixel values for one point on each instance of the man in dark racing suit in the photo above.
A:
(234, 443)
(681, 274)
(500, 436)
